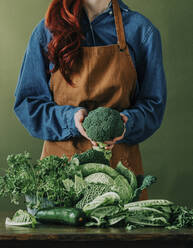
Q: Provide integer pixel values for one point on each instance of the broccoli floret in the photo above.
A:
(147, 181)
(91, 156)
(103, 124)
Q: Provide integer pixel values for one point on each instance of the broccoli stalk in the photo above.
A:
(145, 183)
(101, 147)
(92, 156)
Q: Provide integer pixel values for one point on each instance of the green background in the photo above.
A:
(168, 154)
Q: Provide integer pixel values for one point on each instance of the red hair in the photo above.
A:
(63, 20)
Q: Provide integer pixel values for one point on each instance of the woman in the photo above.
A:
(85, 54)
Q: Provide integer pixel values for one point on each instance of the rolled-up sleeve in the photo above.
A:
(34, 105)
(146, 113)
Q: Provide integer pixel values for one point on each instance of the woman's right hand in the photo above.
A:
(79, 118)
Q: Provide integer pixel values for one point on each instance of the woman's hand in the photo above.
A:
(111, 143)
(79, 118)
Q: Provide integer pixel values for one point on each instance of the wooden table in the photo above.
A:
(57, 236)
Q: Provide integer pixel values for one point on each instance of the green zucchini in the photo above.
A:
(91, 168)
(61, 215)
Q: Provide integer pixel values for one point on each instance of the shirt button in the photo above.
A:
(110, 12)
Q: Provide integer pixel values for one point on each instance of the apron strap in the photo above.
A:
(119, 25)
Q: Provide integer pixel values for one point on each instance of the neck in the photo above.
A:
(94, 7)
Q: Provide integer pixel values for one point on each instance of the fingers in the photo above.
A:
(120, 137)
(79, 125)
(79, 118)
(124, 118)
(82, 131)
(110, 142)
(93, 142)
(109, 147)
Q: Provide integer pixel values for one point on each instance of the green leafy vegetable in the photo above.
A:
(158, 212)
(106, 211)
(94, 221)
(108, 198)
(107, 215)
(21, 218)
(91, 192)
(114, 220)
(146, 216)
(19, 179)
(91, 168)
(42, 180)
(128, 174)
(122, 188)
(180, 217)
(148, 203)
(68, 184)
(99, 178)
(80, 184)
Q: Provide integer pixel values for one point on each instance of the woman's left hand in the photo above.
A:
(111, 143)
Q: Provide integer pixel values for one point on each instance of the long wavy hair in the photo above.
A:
(63, 20)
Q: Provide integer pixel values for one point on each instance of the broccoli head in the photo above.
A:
(103, 124)
(91, 156)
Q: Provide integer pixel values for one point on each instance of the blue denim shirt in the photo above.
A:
(44, 119)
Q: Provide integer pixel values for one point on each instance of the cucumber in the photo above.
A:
(91, 168)
(61, 215)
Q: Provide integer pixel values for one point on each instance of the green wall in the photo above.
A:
(168, 154)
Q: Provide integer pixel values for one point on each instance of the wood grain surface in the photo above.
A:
(66, 236)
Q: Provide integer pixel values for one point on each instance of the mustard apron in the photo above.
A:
(106, 76)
